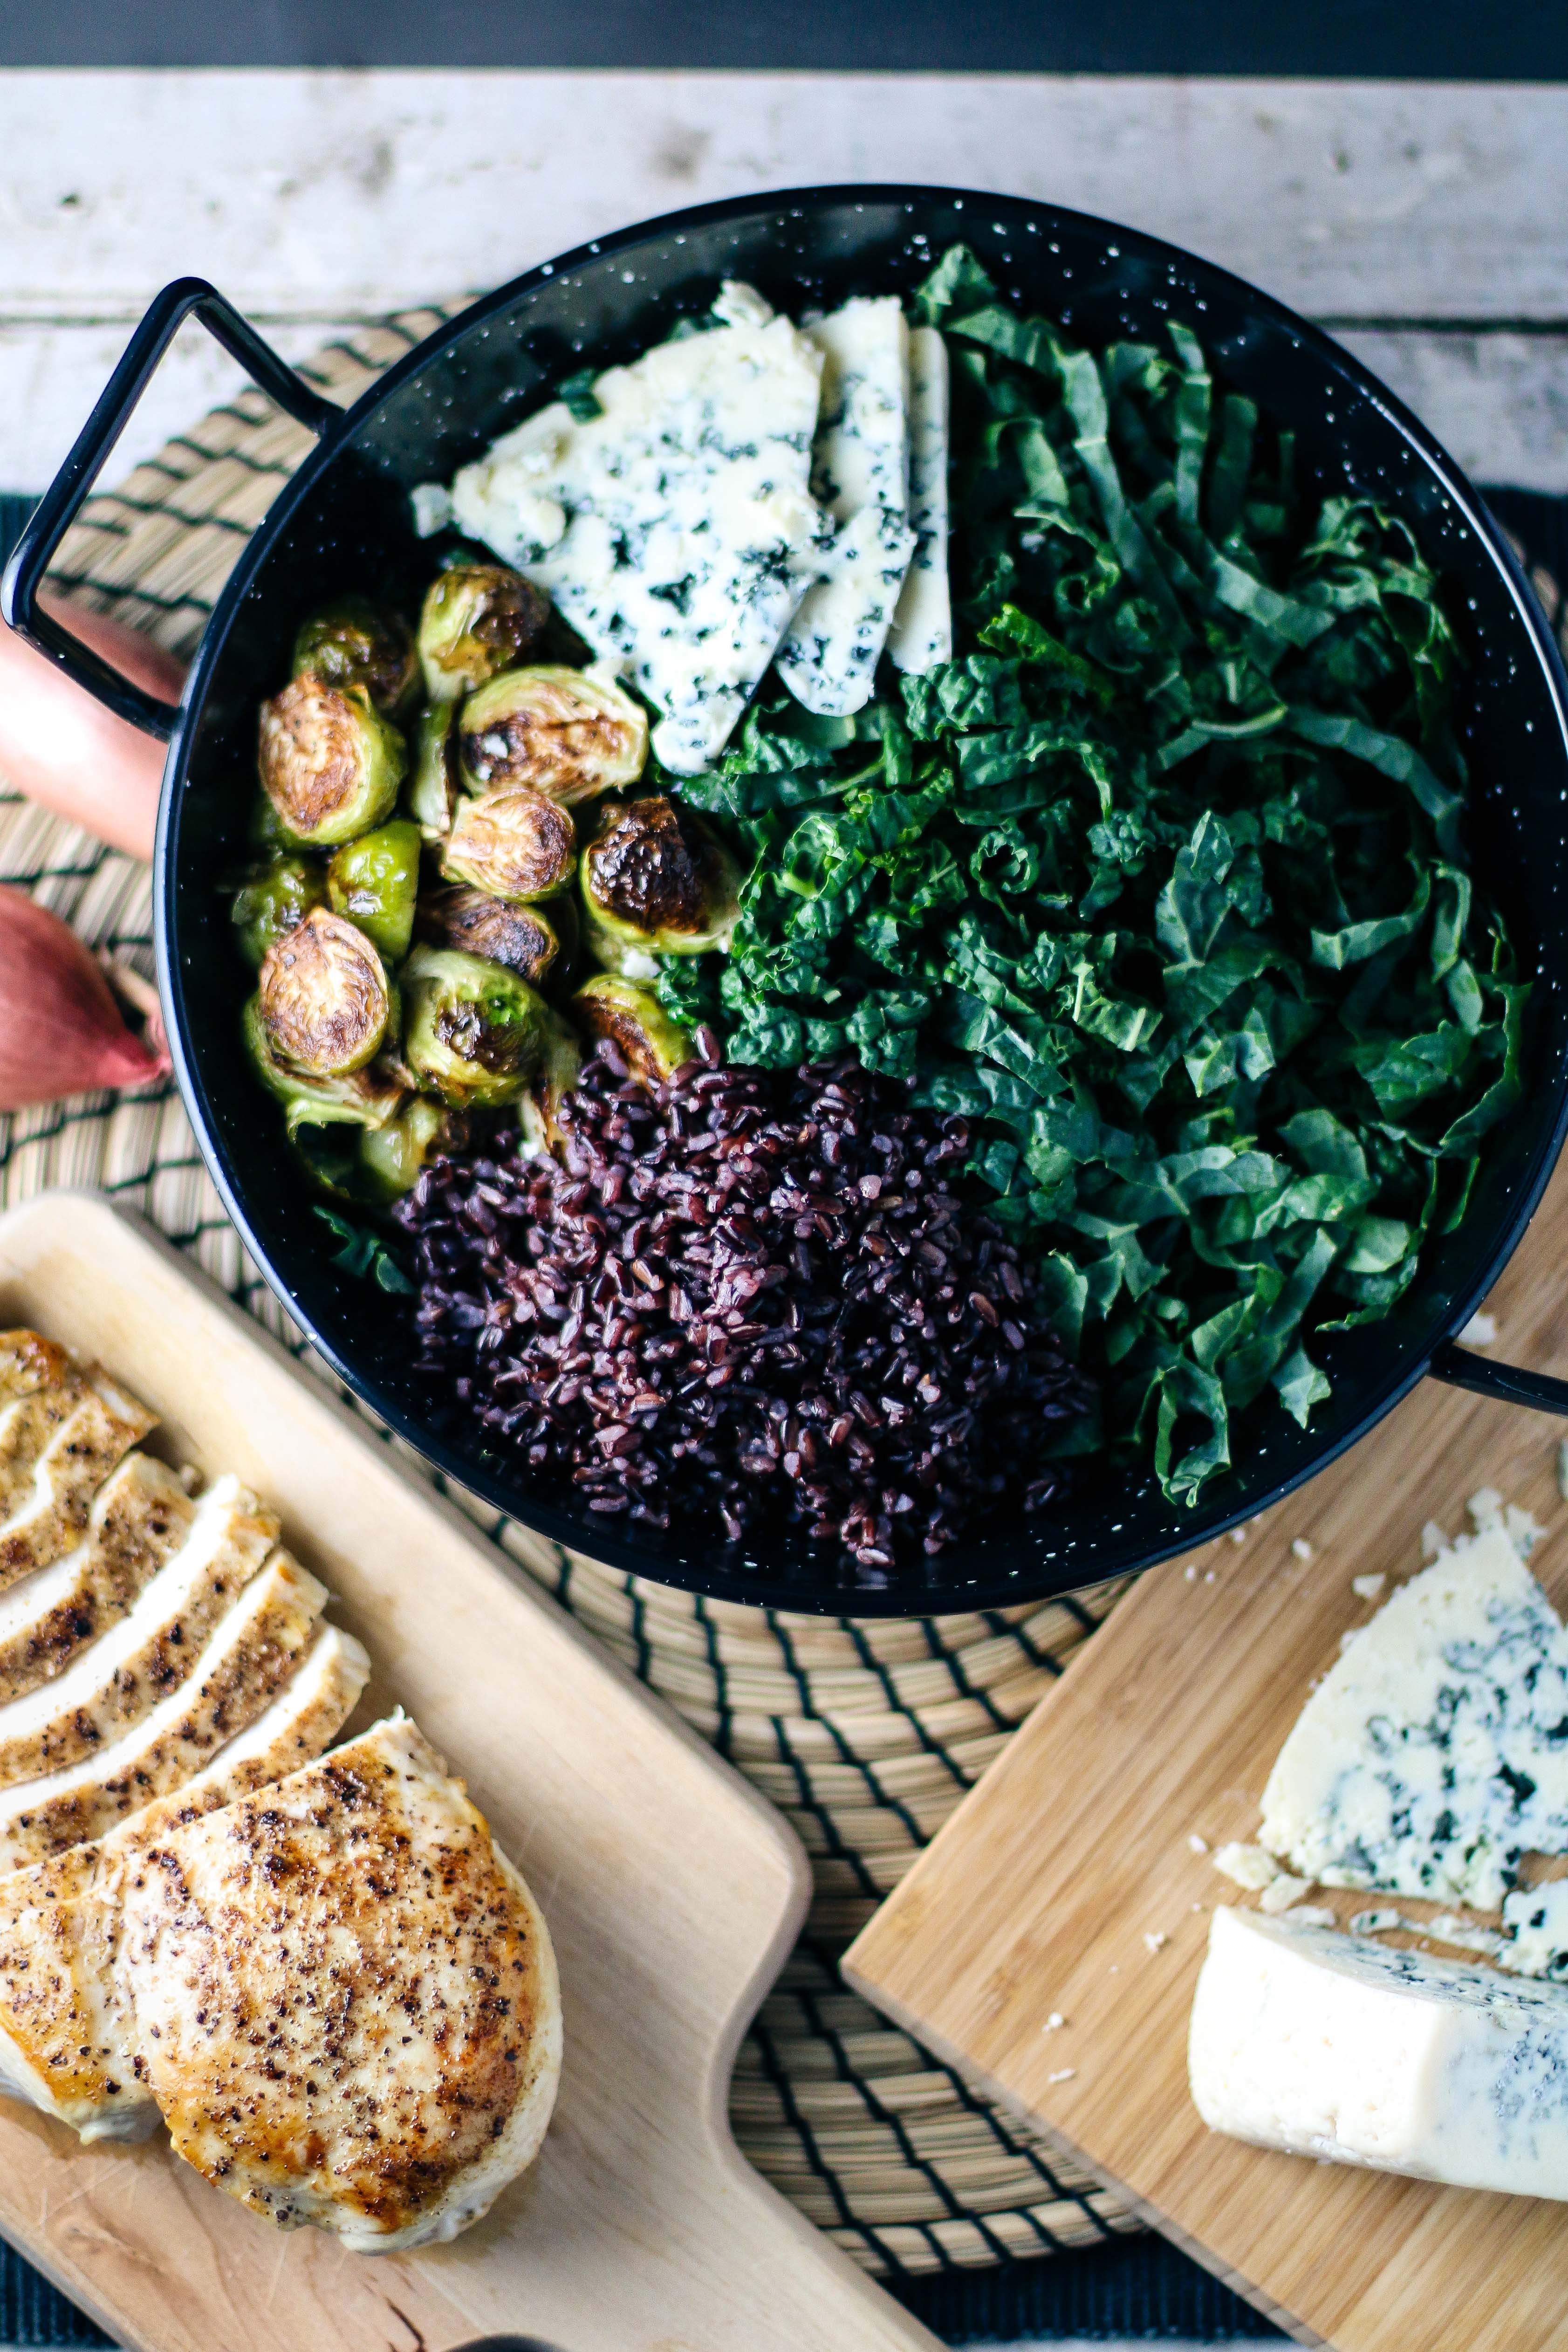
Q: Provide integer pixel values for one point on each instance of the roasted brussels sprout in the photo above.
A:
(374, 881)
(364, 1099)
(473, 1030)
(515, 843)
(432, 788)
(390, 1157)
(275, 902)
(325, 997)
(656, 882)
(538, 1113)
(568, 732)
(653, 1046)
(526, 939)
(331, 764)
(354, 643)
(479, 619)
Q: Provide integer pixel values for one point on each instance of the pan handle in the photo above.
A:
(1463, 1368)
(57, 509)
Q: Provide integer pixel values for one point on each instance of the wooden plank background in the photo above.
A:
(1424, 222)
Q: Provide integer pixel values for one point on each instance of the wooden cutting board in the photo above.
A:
(1065, 1882)
(672, 1892)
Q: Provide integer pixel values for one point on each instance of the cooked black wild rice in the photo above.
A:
(750, 1296)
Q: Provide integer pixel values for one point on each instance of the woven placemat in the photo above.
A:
(865, 1733)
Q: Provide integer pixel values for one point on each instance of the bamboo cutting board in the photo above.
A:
(1065, 1882)
(671, 1891)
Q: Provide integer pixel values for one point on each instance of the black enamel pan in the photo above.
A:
(342, 522)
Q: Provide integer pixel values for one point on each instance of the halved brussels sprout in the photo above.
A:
(515, 843)
(653, 1046)
(325, 997)
(374, 881)
(331, 764)
(656, 882)
(479, 619)
(390, 1157)
(526, 939)
(568, 732)
(362, 1099)
(432, 788)
(274, 903)
(475, 1031)
(538, 1113)
(353, 642)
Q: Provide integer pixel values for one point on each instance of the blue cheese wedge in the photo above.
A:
(860, 476)
(1435, 1752)
(1537, 1920)
(1328, 2046)
(675, 529)
(921, 630)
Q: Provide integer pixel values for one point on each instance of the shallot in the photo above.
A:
(60, 1029)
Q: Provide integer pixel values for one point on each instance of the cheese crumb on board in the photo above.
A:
(1310, 1915)
(1054, 2022)
(1429, 1760)
(1376, 1923)
(1196, 1844)
(1367, 1588)
(1156, 1939)
(1062, 2074)
(1562, 1469)
(1248, 1865)
(1316, 2043)
(1300, 1548)
(1282, 1892)
(1480, 1331)
(1538, 1917)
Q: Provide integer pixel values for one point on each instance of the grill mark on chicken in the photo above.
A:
(138, 1521)
(246, 1663)
(345, 1999)
(152, 1650)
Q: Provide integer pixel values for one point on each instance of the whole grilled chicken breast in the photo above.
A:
(66, 2040)
(344, 1998)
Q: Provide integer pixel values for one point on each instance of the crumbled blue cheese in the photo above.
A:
(1538, 1917)
(1435, 1753)
(1247, 1865)
(860, 476)
(1312, 2042)
(921, 630)
(675, 529)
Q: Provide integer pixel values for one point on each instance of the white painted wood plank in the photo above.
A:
(340, 193)
(1499, 402)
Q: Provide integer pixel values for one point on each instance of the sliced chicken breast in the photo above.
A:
(245, 1665)
(140, 1519)
(66, 2039)
(148, 1654)
(344, 1998)
(53, 1462)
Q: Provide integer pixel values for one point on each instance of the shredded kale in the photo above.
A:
(1159, 882)
(362, 1254)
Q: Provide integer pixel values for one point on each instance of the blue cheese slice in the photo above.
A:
(675, 529)
(1435, 1752)
(860, 474)
(1328, 2046)
(921, 630)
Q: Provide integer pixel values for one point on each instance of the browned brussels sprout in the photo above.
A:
(275, 902)
(538, 1113)
(653, 1046)
(325, 998)
(331, 764)
(354, 643)
(526, 939)
(656, 882)
(374, 881)
(515, 843)
(432, 787)
(568, 732)
(475, 1031)
(479, 619)
(363, 1098)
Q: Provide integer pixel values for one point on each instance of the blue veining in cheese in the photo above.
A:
(675, 529)
(921, 630)
(1435, 1752)
(860, 474)
(1537, 1918)
(1328, 2046)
